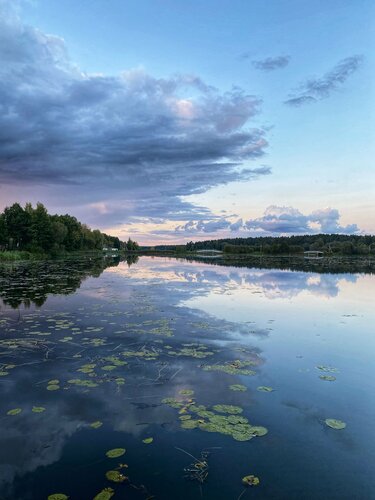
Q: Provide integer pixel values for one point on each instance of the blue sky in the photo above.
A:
(230, 118)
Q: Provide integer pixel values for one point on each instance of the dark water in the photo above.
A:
(116, 339)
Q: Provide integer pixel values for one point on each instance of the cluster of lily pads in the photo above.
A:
(220, 418)
(329, 369)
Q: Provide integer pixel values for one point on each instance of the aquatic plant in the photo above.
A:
(15, 411)
(264, 388)
(115, 476)
(250, 480)
(238, 387)
(96, 425)
(227, 409)
(82, 383)
(327, 369)
(115, 452)
(105, 494)
(232, 368)
(335, 424)
(148, 440)
(38, 409)
(186, 392)
(232, 424)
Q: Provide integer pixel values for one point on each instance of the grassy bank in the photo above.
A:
(11, 256)
(16, 255)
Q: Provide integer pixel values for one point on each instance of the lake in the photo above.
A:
(172, 379)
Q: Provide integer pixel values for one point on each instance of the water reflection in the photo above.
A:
(117, 345)
(273, 283)
(27, 283)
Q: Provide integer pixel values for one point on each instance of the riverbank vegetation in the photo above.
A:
(329, 244)
(31, 231)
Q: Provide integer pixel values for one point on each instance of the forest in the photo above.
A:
(33, 229)
(330, 244)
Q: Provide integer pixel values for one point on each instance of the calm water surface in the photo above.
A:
(148, 349)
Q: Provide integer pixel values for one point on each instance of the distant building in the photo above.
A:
(313, 254)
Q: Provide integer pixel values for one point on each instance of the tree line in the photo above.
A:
(330, 244)
(34, 230)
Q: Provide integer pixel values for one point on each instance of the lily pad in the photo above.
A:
(335, 424)
(186, 392)
(53, 387)
(58, 496)
(189, 424)
(115, 476)
(328, 378)
(227, 409)
(148, 440)
(233, 368)
(38, 409)
(250, 480)
(327, 368)
(105, 494)
(96, 425)
(238, 387)
(264, 388)
(116, 452)
(15, 411)
(258, 430)
(54, 382)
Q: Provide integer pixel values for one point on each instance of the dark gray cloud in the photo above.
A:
(316, 89)
(271, 63)
(130, 137)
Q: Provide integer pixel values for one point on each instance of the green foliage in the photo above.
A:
(35, 230)
(330, 244)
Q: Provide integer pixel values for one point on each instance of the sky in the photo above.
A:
(171, 120)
